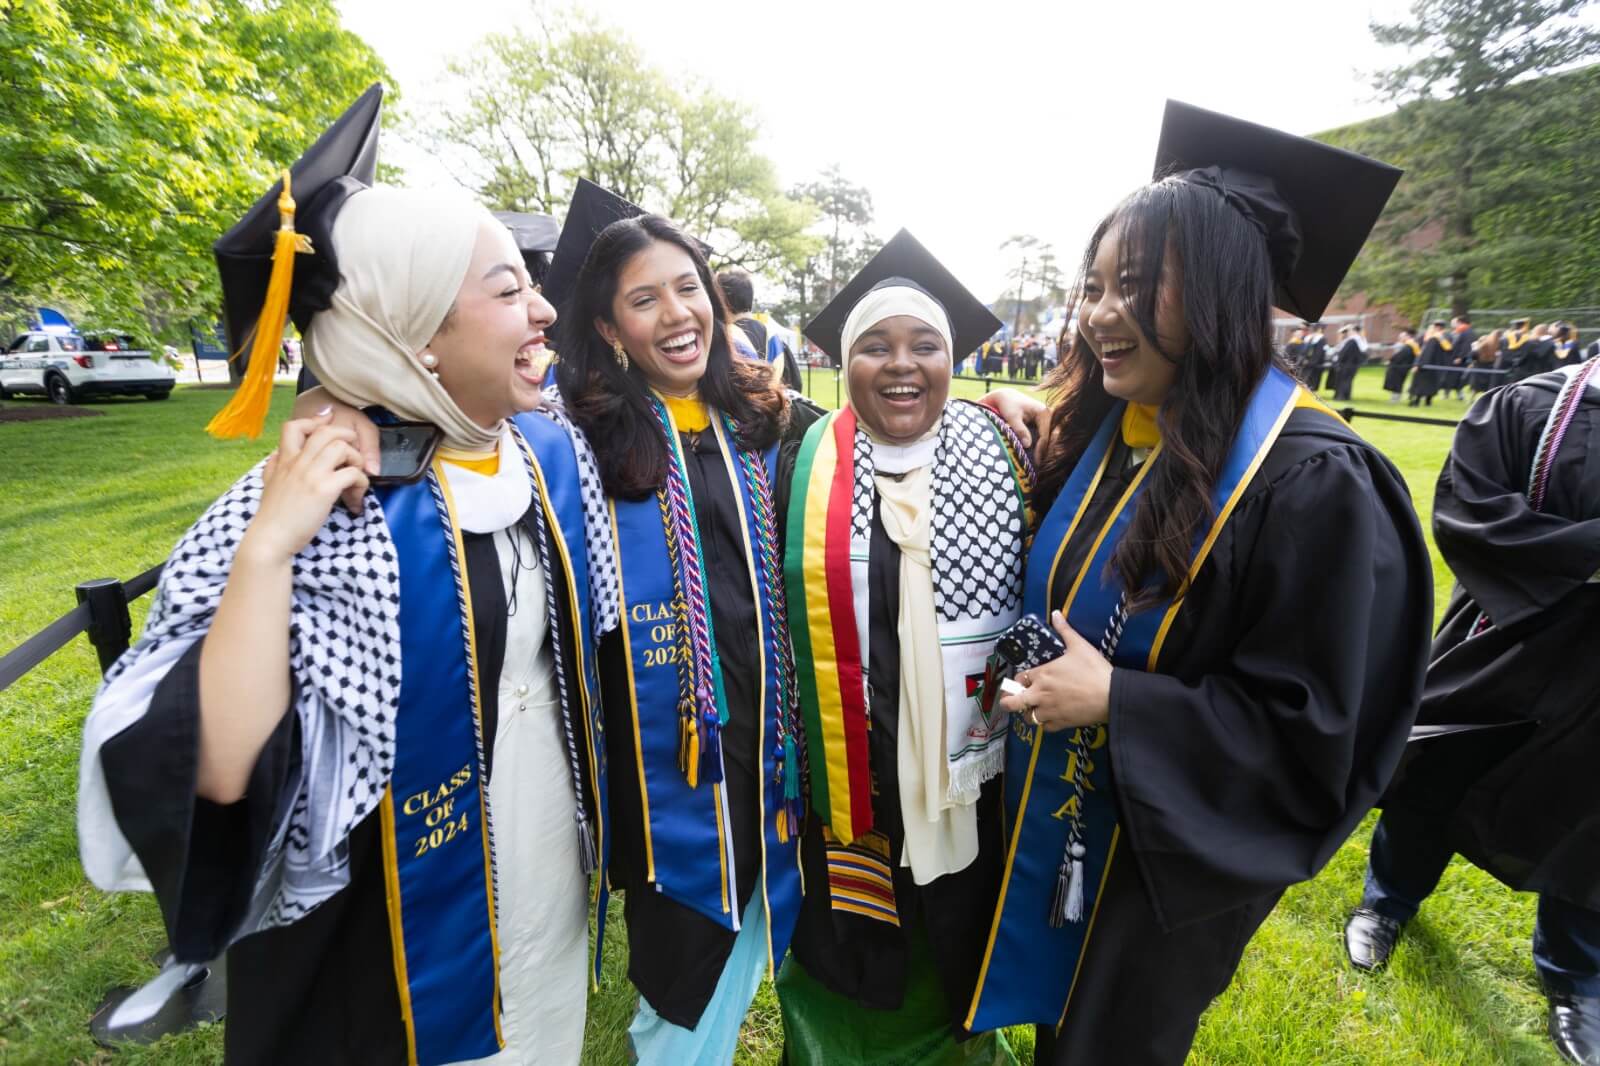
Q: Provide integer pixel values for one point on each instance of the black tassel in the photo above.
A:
(1058, 902)
(588, 858)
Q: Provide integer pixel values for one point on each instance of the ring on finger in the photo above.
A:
(1033, 716)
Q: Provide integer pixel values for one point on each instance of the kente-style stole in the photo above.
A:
(1063, 823)
(677, 705)
(980, 484)
(860, 878)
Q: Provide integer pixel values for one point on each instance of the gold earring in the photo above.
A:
(622, 355)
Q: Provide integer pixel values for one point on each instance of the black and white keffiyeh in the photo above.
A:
(343, 653)
(977, 538)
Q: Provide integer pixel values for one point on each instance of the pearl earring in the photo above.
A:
(429, 361)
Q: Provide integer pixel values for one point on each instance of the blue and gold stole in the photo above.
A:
(688, 842)
(1031, 965)
(438, 843)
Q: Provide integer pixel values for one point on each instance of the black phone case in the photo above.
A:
(1028, 643)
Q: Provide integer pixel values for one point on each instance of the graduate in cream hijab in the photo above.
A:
(358, 747)
(906, 520)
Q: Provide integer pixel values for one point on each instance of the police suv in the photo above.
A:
(70, 366)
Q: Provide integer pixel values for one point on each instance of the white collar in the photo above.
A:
(903, 458)
(488, 503)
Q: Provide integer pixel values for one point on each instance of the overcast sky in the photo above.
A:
(969, 121)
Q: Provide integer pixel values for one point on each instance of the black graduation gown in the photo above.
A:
(1429, 377)
(1541, 357)
(864, 959)
(1315, 353)
(675, 954)
(1460, 358)
(1284, 702)
(1520, 801)
(1348, 361)
(321, 990)
(1394, 378)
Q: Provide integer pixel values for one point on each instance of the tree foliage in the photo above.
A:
(531, 112)
(845, 241)
(1499, 157)
(133, 133)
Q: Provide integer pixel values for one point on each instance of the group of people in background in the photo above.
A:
(1024, 357)
(946, 716)
(1446, 358)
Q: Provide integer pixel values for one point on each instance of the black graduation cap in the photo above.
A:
(343, 161)
(536, 236)
(904, 258)
(592, 210)
(275, 264)
(1315, 203)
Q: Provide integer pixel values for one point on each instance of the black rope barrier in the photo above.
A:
(102, 612)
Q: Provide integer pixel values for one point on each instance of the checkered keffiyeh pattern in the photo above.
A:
(344, 641)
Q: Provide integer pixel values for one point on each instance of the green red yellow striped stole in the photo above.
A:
(822, 625)
(860, 881)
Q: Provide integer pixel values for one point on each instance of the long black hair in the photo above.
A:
(612, 405)
(1224, 279)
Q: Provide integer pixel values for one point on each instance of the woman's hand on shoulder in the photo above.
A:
(1066, 692)
(1028, 417)
(317, 403)
(316, 463)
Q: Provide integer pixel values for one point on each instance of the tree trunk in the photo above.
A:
(1461, 228)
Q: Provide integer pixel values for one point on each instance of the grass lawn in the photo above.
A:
(109, 496)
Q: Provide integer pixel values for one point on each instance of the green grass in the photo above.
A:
(109, 496)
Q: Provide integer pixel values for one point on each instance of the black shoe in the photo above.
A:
(1575, 1028)
(1369, 939)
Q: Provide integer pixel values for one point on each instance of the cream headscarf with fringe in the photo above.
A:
(403, 256)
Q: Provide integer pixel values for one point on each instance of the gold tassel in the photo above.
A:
(692, 760)
(246, 413)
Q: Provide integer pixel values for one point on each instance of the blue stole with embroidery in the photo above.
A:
(1031, 967)
(688, 832)
(436, 833)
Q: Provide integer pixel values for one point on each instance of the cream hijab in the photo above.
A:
(403, 257)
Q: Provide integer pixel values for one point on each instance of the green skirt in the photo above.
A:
(822, 1028)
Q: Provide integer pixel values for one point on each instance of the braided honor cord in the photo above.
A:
(1067, 903)
(785, 754)
(1555, 431)
(700, 719)
(544, 544)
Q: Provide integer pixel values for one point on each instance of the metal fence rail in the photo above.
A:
(102, 612)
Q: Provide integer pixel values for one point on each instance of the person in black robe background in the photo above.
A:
(1519, 800)
(1567, 350)
(1515, 350)
(1463, 341)
(1539, 354)
(1352, 353)
(1436, 349)
(1401, 360)
(1313, 353)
